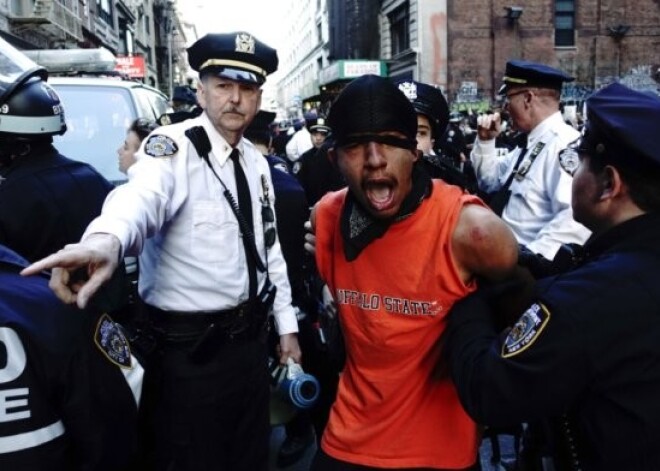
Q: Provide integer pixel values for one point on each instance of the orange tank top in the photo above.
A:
(390, 411)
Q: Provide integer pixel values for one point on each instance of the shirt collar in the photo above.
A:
(549, 123)
(220, 148)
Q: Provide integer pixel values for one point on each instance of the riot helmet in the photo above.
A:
(29, 108)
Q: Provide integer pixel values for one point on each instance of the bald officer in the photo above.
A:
(195, 209)
(585, 356)
(530, 191)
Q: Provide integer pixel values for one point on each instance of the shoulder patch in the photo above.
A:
(111, 341)
(525, 332)
(569, 161)
(160, 146)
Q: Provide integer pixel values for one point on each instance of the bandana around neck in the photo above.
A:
(359, 228)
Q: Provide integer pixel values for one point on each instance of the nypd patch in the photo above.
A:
(160, 146)
(111, 341)
(525, 332)
(569, 161)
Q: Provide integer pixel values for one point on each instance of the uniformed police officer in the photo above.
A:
(585, 356)
(184, 104)
(69, 386)
(197, 208)
(432, 119)
(529, 189)
(46, 199)
(292, 212)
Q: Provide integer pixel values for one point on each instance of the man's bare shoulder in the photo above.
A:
(483, 244)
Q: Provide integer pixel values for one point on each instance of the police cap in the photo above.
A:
(236, 56)
(369, 105)
(184, 94)
(430, 102)
(318, 125)
(532, 74)
(623, 123)
(259, 128)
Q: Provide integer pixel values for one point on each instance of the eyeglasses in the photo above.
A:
(507, 98)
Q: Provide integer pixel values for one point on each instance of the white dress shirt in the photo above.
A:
(539, 210)
(173, 211)
(299, 143)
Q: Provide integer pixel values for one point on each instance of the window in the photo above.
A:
(565, 23)
(104, 10)
(399, 31)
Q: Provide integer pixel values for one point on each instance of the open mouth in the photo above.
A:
(380, 194)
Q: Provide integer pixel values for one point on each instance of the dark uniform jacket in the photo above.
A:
(587, 353)
(317, 175)
(46, 202)
(64, 402)
(292, 212)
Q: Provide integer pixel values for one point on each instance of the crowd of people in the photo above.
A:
(444, 280)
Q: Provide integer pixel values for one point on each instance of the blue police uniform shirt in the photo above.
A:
(65, 401)
(46, 202)
(588, 347)
(292, 212)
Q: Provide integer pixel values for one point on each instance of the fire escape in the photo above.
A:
(52, 19)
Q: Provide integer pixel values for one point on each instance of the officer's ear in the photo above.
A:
(611, 184)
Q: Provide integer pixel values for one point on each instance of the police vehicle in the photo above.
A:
(99, 105)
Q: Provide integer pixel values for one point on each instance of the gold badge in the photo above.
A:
(244, 43)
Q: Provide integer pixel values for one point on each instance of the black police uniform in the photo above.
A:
(589, 347)
(47, 200)
(64, 403)
(583, 361)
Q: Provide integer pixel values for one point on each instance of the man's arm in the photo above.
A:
(483, 245)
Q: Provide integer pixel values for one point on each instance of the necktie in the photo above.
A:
(501, 197)
(245, 207)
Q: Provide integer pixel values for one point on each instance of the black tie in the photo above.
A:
(245, 206)
(501, 197)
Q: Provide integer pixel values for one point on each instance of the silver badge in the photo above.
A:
(409, 89)
(244, 43)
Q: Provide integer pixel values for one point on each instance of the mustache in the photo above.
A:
(233, 110)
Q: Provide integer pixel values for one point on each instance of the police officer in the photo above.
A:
(528, 187)
(432, 119)
(292, 212)
(184, 104)
(69, 386)
(46, 199)
(585, 356)
(197, 208)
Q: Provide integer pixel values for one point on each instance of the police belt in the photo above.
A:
(241, 323)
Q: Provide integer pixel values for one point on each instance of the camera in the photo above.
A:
(292, 384)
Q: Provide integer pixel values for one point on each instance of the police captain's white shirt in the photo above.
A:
(539, 211)
(173, 210)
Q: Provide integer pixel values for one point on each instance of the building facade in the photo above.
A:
(147, 36)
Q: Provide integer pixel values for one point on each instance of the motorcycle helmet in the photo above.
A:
(29, 107)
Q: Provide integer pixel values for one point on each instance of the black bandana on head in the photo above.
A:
(359, 228)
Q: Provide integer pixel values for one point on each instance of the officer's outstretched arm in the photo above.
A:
(79, 270)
